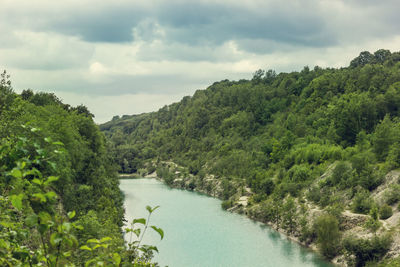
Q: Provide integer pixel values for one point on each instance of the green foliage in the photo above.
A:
(366, 250)
(341, 175)
(226, 204)
(385, 212)
(392, 195)
(373, 222)
(58, 187)
(362, 203)
(328, 236)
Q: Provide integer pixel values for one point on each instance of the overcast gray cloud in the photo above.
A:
(103, 53)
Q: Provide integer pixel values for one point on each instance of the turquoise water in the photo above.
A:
(199, 233)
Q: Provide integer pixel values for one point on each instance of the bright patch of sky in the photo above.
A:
(127, 57)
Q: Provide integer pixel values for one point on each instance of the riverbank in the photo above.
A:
(240, 208)
(352, 226)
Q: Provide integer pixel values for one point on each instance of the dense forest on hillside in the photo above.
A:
(306, 148)
(60, 202)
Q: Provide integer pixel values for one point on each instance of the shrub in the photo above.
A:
(362, 203)
(314, 194)
(328, 236)
(385, 212)
(227, 204)
(392, 195)
(367, 249)
(299, 173)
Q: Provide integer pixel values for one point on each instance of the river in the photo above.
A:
(199, 233)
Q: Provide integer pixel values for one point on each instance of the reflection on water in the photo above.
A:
(199, 233)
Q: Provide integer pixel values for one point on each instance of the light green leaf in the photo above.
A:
(40, 196)
(141, 220)
(16, 173)
(159, 231)
(51, 179)
(16, 201)
(71, 214)
(37, 181)
(55, 239)
(92, 240)
(105, 239)
(117, 259)
(51, 195)
(84, 247)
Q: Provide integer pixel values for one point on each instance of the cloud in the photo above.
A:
(101, 52)
(105, 107)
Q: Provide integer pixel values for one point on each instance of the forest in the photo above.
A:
(60, 202)
(315, 153)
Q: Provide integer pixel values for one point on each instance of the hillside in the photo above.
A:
(314, 153)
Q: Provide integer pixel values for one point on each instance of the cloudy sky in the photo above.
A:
(127, 56)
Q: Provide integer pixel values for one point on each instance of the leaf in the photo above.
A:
(150, 210)
(37, 181)
(16, 201)
(51, 179)
(98, 246)
(52, 165)
(105, 239)
(44, 217)
(137, 232)
(77, 226)
(92, 240)
(84, 247)
(58, 143)
(51, 195)
(159, 231)
(16, 173)
(71, 214)
(55, 239)
(141, 220)
(31, 220)
(117, 259)
(34, 171)
(47, 139)
(40, 196)
(66, 226)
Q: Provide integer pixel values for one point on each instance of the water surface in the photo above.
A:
(199, 233)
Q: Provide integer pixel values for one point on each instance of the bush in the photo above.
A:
(367, 249)
(314, 194)
(362, 203)
(299, 173)
(328, 236)
(227, 204)
(392, 195)
(385, 212)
